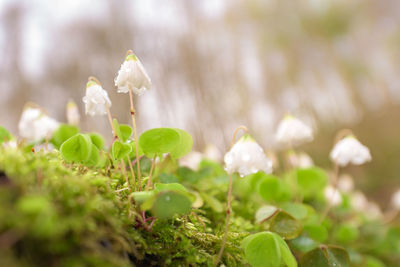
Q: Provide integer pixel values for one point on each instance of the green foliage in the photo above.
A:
(326, 256)
(63, 133)
(120, 150)
(158, 141)
(267, 249)
(78, 148)
(4, 135)
(97, 140)
(311, 181)
(170, 203)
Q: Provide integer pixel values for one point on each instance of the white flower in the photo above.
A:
(345, 183)
(247, 157)
(350, 150)
(332, 195)
(292, 131)
(132, 75)
(300, 160)
(34, 125)
(396, 200)
(191, 160)
(212, 152)
(96, 99)
(73, 116)
(359, 201)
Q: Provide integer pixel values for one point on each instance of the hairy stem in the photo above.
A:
(136, 139)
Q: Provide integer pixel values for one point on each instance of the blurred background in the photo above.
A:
(217, 64)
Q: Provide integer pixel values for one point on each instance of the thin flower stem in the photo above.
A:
(149, 182)
(132, 110)
(123, 167)
(132, 173)
(334, 185)
(111, 123)
(229, 199)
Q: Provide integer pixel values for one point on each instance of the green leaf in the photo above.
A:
(265, 212)
(170, 203)
(63, 133)
(185, 144)
(158, 187)
(120, 150)
(159, 141)
(133, 151)
(316, 232)
(143, 196)
(213, 202)
(303, 243)
(262, 249)
(269, 188)
(285, 225)
(326, 256)
(117, 129)
(287, 256)
(78, 148)
(125, 132)
(298, 210)
(311, 180)
(4, 135)
(346, 233)
(94, 157)
(97, 140)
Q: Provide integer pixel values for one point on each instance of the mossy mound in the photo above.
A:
(54, 214)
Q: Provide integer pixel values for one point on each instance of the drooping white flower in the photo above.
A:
(35, 125)
(212, 152)
(396, 200)
(96, 99)
(73, 116)
(358, 201)
(292, 131)
(191, 160)
(247, 157)
(332, 195)
(345, 183)
(300, 160)
(350, 150)
(132, 75)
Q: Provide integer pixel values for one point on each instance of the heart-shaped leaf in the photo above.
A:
(311, 180)
(4, 135)
(265, 212)
(262, 249)
(285, 225)
(63, 133)
(125, 132)
(120, 150)
(78, 148)
(326, 256)
(97, 140)
(286, 254)
(184, 146)
(159, 141)
(170, 203)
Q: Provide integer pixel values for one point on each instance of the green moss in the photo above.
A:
(55, 214)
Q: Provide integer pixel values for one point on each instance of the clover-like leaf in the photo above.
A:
(262, 249)
(184, 146)
(120, 150)
(159, 141)
(125, 132)
(97, 140)
(4, 135)
(265, 212)
(311, 180)
(326, 256)
(170, 203)
(63, 133)
(286, 253)
(285, 225)
(78, 148)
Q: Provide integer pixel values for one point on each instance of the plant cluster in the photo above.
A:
(68, 198)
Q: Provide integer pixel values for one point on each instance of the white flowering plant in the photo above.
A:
(70, 197)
